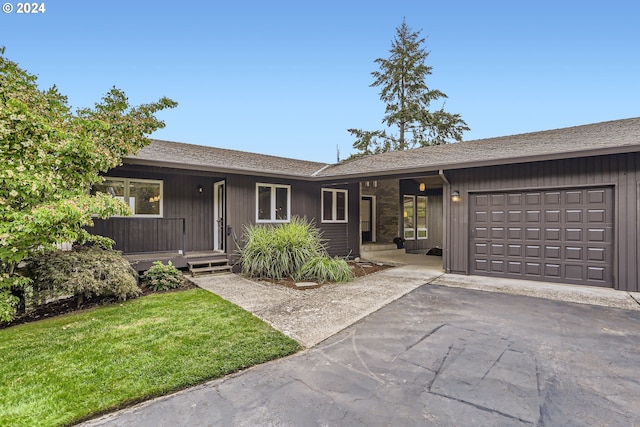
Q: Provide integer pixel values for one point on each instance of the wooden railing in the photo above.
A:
(142, 235)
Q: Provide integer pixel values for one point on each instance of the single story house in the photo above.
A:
(559, 205)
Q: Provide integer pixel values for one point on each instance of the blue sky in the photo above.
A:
(289, 77)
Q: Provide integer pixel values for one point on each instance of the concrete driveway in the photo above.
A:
(437, 356)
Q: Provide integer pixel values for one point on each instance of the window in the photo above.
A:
(143, 196)
(273, 203)
(415, 217)
(409, 217)
(421, 217)
(334, 205)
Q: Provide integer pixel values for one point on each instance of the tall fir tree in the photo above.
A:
(408, 99)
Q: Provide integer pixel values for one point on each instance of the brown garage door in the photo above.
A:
(555, 235)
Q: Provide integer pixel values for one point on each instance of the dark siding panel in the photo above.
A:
(181, 200)
(343, 239)
(621, 171)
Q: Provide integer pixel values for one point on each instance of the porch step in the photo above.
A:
(213, 265)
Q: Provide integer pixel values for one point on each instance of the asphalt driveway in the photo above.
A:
(437, 356)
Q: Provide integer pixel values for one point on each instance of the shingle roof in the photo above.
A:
(618, 136)
(197, 157)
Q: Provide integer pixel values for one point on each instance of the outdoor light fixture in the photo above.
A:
(422, 186)
(199, 188)
(455, 196)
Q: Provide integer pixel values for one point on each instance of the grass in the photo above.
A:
(63, 370)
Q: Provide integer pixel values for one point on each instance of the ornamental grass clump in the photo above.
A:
(162, 277)
(324, 270)
(280, 251)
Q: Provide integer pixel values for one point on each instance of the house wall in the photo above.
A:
(622, 172)
(388, 202)
(305, 202)
(181, 199)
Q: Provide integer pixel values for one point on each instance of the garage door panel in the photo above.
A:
(552, 270)
(552, 252)
(497, 199)
(573, 216)
(533, 199)
(514, 250)
(597, 274)
(498, 233)
(573, 197)
(533, 234)
(596, 196)
(552, 234)
(515, 267)
(514, 233)
(552, 198)
(552, 216)
(514, 199)
(533, 216)
(555, 235)
(596, 254)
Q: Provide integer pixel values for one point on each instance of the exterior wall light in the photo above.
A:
(455, 196)
(422, 186)
(199, 188)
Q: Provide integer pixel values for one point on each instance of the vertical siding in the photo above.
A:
(181, 199)
(619, 171)
(305, 202)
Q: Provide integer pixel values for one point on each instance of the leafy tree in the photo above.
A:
(50, 158)
(402, 81)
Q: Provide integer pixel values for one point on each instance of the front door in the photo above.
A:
(218, 214)
(367, 219)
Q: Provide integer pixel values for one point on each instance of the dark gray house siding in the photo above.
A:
(617, 172)
(188, 218)
(182, 200)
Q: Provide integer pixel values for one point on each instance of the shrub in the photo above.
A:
(281, 250)
(83, 272)
(323, 270)
(162, 277)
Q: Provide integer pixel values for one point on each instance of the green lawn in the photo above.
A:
(62, 370)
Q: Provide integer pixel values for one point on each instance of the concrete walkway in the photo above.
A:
(312, 315)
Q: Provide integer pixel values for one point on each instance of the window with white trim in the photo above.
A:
(273, 202)
(409, 213)
(421, 217)
(143, 196)
(415, 217)
(334, 205)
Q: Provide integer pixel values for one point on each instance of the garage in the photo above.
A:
(555, 235)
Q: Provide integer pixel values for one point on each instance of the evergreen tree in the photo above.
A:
(401, 79)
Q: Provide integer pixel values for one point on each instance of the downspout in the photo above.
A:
(446, 235)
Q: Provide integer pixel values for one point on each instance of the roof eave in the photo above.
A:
(216, 169)
(491, 162)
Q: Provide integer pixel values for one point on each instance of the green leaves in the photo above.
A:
(51, 158)
(402, 82)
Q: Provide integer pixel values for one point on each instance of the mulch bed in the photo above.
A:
(360, 269)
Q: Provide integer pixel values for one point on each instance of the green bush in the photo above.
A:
(281, 250)
(162, 277)
(83, 272)
(324, 270)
